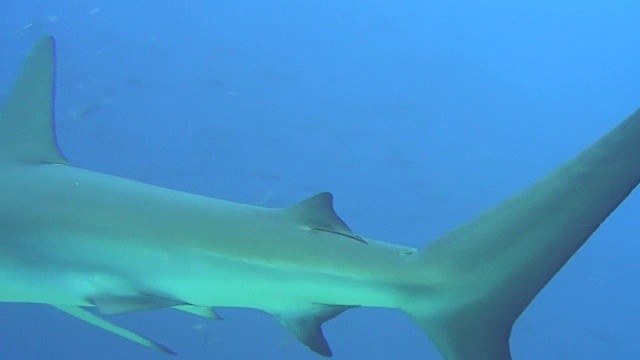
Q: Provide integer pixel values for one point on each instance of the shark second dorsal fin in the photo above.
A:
(317, 213)
(26, 122)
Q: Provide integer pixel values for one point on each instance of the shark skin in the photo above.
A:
(76, 239)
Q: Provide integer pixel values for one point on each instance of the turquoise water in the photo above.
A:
(417, 116)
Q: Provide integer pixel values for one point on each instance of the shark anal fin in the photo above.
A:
(113, 305)
(306, 325)
(92, 319)
(202, 311)
(317, 213)
(27, 129)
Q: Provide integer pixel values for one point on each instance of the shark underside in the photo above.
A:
(76, 239)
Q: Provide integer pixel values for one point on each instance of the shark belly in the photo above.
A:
(72, 270)
(80, 246)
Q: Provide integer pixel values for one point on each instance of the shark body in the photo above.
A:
(73, 238)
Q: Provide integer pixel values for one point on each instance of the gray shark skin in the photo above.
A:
(76, 239)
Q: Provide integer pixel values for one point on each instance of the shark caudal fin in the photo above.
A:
(489, 270)
(27, 132)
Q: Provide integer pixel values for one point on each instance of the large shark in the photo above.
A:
(76, 239)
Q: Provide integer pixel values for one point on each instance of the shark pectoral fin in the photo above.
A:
(88, 317)
(306, 324)
(113, 305)
(27, 132)
(317, 213)
(202, 311)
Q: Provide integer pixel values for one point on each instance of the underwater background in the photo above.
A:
(417, 115)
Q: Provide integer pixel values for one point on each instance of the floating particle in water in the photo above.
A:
(27, 27)
(200, 327)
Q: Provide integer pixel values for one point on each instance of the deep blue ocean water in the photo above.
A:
(417, 115)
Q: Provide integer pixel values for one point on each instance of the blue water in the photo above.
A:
(417, 115)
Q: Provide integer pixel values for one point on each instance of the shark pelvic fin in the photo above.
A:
(306, 325)
(27, 132)
(92, 319)
(317, 213)
(113, 305)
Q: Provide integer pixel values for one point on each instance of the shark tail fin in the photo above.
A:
(27, 132)
(476, 330)
(484, 274)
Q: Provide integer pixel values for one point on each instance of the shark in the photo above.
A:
(92, 244)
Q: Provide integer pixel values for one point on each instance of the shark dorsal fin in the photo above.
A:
(26, 123)
(317, 213)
